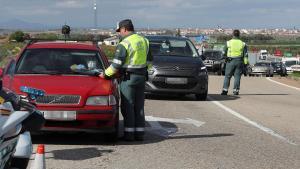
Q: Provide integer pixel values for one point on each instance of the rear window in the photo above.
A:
(290, 63)
(43, 61)
(173, 47)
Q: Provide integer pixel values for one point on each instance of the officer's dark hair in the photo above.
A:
(236, 33)
(129, 28)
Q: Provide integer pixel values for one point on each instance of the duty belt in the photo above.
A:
(240, 57)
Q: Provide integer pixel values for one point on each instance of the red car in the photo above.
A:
(76, 99)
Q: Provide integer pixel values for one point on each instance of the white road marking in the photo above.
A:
(159, 130)
(253, 123)
(183, 121)
(166, 132)
(163, 132)
(283, 84)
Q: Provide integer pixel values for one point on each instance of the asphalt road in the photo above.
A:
(259, 129)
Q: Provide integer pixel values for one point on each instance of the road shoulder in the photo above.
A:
(288, 81)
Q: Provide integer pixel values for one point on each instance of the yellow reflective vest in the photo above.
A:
(137, 48)
(236, 48)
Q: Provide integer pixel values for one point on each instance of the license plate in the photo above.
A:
(176, 80)
(60, 115)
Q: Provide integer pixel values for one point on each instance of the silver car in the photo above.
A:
(262, 68)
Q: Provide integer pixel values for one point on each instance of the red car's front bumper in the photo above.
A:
(103, 121)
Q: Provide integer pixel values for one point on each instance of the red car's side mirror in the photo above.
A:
(1, 72)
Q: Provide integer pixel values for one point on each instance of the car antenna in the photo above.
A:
(65, 30)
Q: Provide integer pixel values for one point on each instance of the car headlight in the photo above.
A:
(202, 71)
(101, 101)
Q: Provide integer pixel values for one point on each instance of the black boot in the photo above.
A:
(139, 136)
(224, 92)
(128, 136)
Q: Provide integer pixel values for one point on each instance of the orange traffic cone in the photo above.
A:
(39, 160)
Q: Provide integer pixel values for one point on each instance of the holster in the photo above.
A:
(228, 59)
(147, 78)
(125, 76)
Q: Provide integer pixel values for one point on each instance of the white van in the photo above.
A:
(263, 54)
(289, 62)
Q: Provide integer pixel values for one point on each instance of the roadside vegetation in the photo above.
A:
(108, 50)
(287, 44)
(9, 46)
(9, 50)
(296, 74)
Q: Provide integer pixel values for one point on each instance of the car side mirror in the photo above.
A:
(1, 72)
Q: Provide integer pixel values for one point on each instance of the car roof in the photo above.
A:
(62, 45)
(164, 37)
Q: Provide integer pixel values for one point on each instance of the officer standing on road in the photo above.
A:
(131, 60)
(236, 57)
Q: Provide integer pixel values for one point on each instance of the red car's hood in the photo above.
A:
(59, 84)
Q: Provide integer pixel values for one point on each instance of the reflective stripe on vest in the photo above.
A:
(137, 48)
(117, 61)
(235, 48)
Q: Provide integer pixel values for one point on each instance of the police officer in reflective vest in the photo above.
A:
(236, 57)
(132, 58)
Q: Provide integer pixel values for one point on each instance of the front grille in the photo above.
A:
(59, 99)
(174, 68)
(164, 85)
(159, 82)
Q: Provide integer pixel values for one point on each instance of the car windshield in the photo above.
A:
(173, 47)
(262, 64)
(290, 63)
(58, 61)
(213, 54)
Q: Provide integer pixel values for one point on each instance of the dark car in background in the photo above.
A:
(279, 68)
(214, 61)
(177, 68)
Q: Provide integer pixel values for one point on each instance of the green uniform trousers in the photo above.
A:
(233, 68)
(132, 104)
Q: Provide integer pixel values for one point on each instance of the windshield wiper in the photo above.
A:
(52, 72)
(27, 72)
(80, 72)
(87, 72)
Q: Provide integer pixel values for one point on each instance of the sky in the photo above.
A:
(156, 13)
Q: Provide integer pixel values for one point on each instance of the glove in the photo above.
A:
(245, 69)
